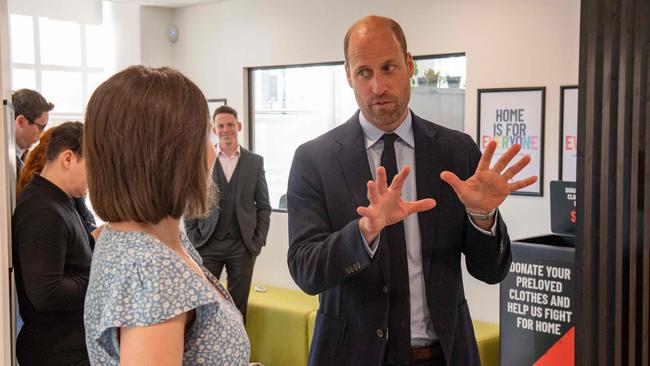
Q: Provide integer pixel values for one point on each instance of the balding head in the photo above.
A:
(368, 24)
(379, 69)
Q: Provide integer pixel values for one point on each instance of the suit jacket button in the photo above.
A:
(380, 333)
(384, 289)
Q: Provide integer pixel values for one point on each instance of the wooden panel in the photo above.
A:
(623, 167)
(643, 21)
(612, 250)
(586, 256)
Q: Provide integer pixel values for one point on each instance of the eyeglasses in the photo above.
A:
(41, 127)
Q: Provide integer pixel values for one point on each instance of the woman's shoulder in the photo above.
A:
(130, 260)
(136, 280)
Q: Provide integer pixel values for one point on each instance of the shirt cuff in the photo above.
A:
(371, 247)
(493, 230)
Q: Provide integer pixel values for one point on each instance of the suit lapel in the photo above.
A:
(243, 171)
(428, 164)
(353, 159)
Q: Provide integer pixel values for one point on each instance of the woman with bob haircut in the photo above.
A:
(149, 160)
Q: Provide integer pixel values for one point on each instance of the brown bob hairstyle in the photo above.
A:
(145, 147)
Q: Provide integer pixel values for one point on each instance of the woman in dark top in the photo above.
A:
(52, 256)
(34, 165)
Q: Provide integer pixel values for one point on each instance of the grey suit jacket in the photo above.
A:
(253, 208)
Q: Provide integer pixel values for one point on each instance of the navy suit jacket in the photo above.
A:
(327, 255)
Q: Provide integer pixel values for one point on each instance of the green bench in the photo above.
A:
(276, 322)
(280, 325)
(487, 338)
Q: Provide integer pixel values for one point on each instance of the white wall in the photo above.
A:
(85, 11)
(508, 43)
(157, 51)
(122, 21)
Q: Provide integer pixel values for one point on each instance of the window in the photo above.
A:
(290, 105)
(63, 60)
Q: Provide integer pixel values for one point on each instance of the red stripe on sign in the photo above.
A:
(561, 353)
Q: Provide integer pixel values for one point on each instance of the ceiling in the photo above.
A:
(168, 3)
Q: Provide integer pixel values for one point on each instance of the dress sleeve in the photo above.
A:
(149, 291)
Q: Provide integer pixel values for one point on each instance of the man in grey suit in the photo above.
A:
(235, 232)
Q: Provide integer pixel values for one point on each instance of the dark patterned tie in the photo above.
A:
(399, 317)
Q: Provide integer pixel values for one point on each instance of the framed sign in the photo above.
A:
(568, 133)
(515, 116)
(213, 104)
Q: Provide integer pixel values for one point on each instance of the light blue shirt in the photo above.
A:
(422, 332)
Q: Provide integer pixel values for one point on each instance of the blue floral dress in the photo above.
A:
(136, 280)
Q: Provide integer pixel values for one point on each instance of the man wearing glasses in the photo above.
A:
(32, 114)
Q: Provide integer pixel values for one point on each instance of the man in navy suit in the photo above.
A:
(389, 280)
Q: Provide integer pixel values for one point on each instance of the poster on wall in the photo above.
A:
(568, 133)
(213, 104)
(536, 306)
(515, 116)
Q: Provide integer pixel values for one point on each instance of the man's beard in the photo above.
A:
(387, 117)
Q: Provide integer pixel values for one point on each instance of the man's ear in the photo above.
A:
(21, 121)
(66, 158)
(238, 126)
(347, 74)
(409, 64)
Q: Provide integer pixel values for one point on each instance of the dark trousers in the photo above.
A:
(53, 343)
(239, 262)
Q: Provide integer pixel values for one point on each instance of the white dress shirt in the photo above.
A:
(228, 163)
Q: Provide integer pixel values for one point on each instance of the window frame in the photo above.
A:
(251, 99)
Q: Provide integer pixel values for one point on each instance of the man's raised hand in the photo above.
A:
(487, 188)
(387, 206)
